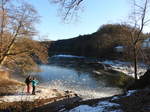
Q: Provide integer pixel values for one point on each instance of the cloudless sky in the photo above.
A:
(95, 13)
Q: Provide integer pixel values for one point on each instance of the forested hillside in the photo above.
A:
(99, 44)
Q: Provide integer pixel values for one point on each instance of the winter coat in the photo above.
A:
(34, 82)
(28, 80)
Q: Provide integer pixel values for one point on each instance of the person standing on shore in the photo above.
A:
(34, 84)
(28, 81)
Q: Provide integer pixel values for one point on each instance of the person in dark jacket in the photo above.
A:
(34, 84)
(28, 81)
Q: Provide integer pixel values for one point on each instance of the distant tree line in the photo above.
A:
(100, 44)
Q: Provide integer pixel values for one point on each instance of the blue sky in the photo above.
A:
(95, 13)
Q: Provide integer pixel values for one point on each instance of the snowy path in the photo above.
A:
(41, 93)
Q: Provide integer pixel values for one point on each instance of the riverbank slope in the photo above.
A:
(13, 96)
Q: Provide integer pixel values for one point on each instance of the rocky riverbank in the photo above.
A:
(131, 101)
(54, 100)
(137, 100)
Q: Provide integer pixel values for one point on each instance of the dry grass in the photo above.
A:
(4, 74)
(9, 86)
(22, 106)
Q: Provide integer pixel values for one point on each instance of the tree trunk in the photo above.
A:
(135, 63)
(4, 58)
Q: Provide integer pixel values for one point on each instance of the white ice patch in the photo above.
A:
(108, 104)
(97, 72)
(115, 98)
(101, 107)
(86, 108)
(130, 92)
(67, 56)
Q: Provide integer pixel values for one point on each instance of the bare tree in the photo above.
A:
(134, 36)
(68, 8)
(17, 49)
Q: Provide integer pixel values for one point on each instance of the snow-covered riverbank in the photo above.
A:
(58, 88)
(103, 106)
(41, 93)
(126, 67)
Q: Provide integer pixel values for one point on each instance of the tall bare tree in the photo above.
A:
(138, 19)
(17, 49)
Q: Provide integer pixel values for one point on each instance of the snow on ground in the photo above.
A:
(103, 106)
(126, 67)
(86, 108)
(130, 92)
(41, 93)
(67, 56)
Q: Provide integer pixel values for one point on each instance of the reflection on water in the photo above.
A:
(83, 83)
